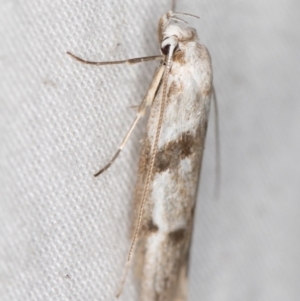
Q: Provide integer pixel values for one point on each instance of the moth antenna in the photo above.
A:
(173, 6)
(217, 185)
(129, 61)
(150, 170)
(178, 19)
(186, 14)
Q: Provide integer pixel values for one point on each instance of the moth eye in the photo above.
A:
(165, 50)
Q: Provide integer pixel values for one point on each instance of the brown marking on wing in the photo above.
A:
(179, 57)
(206, 87)
(207, 90)
(204, 56)
(170, 155)
(173, 89)
(152, 228)
(177, 236)
(173, 253)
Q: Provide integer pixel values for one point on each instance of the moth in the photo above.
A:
(169, 166)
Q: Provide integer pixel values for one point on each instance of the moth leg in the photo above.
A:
(129, 61)
(173, 6)
(151, 92)
(147, 101)
(122, 145)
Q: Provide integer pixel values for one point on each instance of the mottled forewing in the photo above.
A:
(164, 238)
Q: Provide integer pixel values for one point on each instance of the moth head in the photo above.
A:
(172, 34)
(177, 37)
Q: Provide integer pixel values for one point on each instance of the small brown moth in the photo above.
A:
(170, 161)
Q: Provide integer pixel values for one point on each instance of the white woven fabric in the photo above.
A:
(64, 233)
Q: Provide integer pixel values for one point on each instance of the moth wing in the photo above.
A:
(182, 287)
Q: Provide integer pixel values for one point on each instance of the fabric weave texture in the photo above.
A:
(64, 235)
